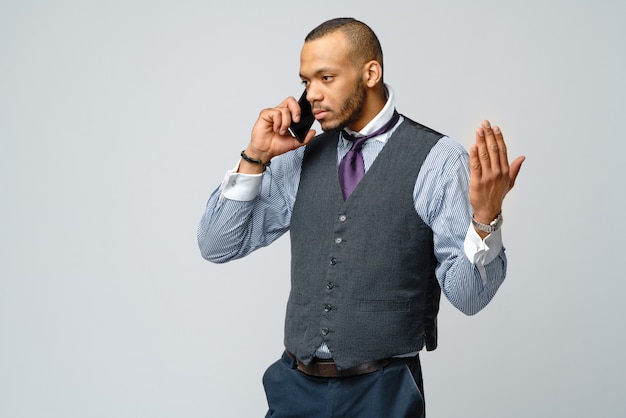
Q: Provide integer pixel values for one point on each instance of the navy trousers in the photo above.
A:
(394, 391)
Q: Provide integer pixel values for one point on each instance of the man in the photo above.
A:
(369, 261)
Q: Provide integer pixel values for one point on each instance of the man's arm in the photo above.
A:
(248, 212)
(239, 218)
(472, 263)
(225, 231)
(442, 200)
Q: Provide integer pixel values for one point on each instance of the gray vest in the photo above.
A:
(363, 270)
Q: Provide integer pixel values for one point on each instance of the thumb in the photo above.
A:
(514, 169)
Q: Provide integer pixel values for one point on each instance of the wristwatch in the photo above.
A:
(492, 227)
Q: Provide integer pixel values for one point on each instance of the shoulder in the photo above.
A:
(444, 149)
(449, 148)
(411, 124)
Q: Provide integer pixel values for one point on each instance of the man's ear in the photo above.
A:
(372, 73)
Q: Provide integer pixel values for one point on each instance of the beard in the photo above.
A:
(350, 111)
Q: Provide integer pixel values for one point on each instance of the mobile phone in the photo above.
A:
(300, 129)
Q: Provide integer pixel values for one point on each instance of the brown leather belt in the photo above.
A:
(327, 368)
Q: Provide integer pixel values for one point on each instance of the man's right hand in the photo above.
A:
(271, 137)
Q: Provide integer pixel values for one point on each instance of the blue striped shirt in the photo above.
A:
(247, 212)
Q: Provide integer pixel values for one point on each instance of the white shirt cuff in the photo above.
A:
(482, 252)
(241, 187)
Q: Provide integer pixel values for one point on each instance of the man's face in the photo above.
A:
(335, 87)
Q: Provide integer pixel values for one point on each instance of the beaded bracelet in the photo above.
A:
(254, 161)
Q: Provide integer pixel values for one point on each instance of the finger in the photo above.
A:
(474, 161)
(285, 120)
(294, 108)
(482, 153)
(271, 118)
(279, 118)
(516, 165)
(491, 147)
(309, 136)
(503, 157)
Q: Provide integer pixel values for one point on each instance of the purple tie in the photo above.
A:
(352, 167)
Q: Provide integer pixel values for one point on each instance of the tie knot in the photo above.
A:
(357, 141)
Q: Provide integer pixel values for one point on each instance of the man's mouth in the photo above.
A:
(320, 113)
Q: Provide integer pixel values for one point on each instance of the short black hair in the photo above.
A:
(365, 44)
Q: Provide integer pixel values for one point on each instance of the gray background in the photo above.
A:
(118, 118)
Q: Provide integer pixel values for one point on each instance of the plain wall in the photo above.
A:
(118, 119)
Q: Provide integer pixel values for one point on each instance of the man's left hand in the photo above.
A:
(491, 177)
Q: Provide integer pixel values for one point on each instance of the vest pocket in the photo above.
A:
(384, 305)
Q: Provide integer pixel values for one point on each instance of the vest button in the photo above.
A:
(333, 261)
(342, 218)
(330, 285)
(338, 240)
(324, 332)
(328, 308)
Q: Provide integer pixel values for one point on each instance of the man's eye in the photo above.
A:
(327, 77)
(305, 83)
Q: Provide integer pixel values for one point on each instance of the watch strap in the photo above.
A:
(491, 227)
